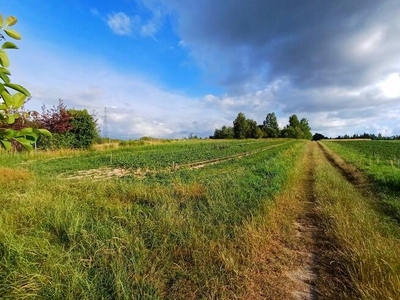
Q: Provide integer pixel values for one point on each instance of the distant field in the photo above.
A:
(206, 219)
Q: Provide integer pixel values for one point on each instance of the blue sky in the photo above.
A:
(169, 68)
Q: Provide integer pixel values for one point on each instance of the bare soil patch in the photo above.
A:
(307, 233)
(99, 174)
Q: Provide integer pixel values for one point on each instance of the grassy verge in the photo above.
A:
(174, 235)
(365, 245)
(383, 173)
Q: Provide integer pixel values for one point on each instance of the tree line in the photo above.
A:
(370, 136)
(247, 128)
(70, 128)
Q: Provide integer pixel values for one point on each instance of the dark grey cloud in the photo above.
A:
(313, 42)
(324, 59)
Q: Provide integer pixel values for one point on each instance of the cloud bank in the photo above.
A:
(336, 63)
(340, 60)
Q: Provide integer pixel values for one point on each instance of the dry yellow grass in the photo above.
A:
(12, 175)
(272, 242)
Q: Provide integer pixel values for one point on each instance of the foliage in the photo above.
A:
(240, 126)
(252, 130)
(72, 128)
(247, 128)
(84, 130)
(271, 126)
(297, 129)
(56, 119)
(10, 104)
(223, 133)
(318, 136)
(369, 136)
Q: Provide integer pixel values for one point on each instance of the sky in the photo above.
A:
(171, 68)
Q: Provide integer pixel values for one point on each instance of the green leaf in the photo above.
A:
(3, 107)
(5, 144)
(9, 45)
(32, 137)
(18, 88)
(1, 21)
(4, 60)
(5, 79)
(25, 143)
(8, 100)
(11, 20)
(25, 131)
(19, 100)
(5, 71)
(13, 34)
(10, 119)
(1, 87)
(10, 133)
(44, 132)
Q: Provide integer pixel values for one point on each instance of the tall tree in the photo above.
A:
(227, 132)
(305, 129)
(271, 126)
(223, 133)
(240, 126)
(253, 130)
(294, 121)
(297, 129)
(84, 130)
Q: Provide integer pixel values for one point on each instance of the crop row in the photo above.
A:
(154, 157)
(164, 159)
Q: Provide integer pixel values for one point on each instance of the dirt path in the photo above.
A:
(318, 276)
(286, 245)
(308, 235)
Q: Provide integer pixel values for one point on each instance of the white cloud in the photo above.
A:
(120, 23)
(391, 86)
(137, 106)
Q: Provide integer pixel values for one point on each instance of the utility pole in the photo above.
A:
(105, 125)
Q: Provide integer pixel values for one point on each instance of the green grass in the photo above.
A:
(172, 235)
(141, 156)
(379, 162)
(365, 245)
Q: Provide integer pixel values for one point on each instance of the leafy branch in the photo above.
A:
(10, 103)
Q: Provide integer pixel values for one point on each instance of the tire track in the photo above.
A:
(351, 173)
(307, 234)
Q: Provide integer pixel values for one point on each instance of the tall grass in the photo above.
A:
(366, 245)
(173, 235)
(382, 172)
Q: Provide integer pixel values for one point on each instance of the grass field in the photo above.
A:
(195, 220)
(380, 162)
